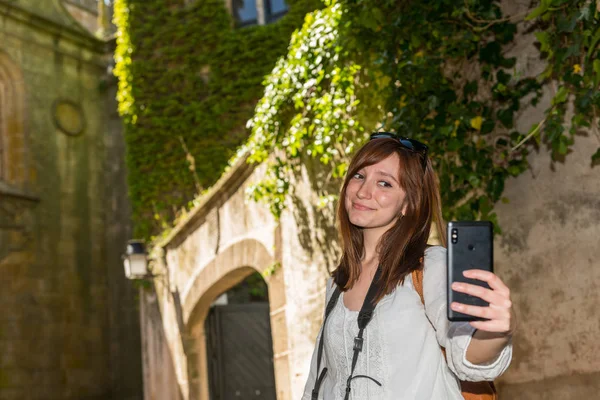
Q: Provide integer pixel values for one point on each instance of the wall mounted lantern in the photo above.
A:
(135, 260)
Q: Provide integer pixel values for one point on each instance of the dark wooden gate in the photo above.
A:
(240, 352)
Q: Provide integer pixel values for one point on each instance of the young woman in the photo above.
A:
(389, 200)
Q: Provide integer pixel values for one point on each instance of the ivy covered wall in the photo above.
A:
(188, 82)
(438, 71)
(433, 70)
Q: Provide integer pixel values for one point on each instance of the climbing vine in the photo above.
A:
(309, 108)
(441, 71)
(437, 71)
(189, 79)
(569, 36)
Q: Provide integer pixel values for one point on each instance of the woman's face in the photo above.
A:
(374, 197)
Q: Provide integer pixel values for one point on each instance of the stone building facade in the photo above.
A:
(68, 318)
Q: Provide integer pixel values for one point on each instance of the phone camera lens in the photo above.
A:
(454, 235)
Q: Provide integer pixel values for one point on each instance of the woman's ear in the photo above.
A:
(404, 208)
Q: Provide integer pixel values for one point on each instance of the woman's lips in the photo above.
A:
(360, 207)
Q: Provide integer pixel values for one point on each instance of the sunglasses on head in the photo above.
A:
(408, 143)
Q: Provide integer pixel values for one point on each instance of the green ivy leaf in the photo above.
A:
(596, 68)
(539, 10)
(545, 44)
(503, 77)
(596, 157)
(487, 126)
(491, 53)
(506, 117)
(593, 43)
(562, 148)
(474, 180)
(560, 96)
(495, 186)
(514, 170)
(470, 89)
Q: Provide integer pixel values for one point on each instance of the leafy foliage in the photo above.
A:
(568, 38)
(309, 108)
(252, 289)
(188, 82)
(434, 70)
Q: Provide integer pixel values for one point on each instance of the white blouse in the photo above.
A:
(401, 346)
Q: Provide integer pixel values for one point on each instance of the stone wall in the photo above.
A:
(548, 254)
(68, 324)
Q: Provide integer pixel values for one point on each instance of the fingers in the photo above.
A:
(498, 315)
(490, 313)
(492, 326)
(504, 326)
(491, 296)
(492, 280)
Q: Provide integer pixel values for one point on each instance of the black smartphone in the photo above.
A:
(470, 246)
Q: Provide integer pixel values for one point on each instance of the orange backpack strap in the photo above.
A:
(417, 278)
(470, 390)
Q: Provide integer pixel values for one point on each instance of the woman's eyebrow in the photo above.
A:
(389, 175)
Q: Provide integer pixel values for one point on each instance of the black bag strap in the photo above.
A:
(364, 317)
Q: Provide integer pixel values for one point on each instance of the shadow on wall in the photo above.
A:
(315, 218)
(159, 383)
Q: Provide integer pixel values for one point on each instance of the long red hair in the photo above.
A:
(402, 247)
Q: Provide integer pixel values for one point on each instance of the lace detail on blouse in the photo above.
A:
(376, 362)
(335, 346)
(339, 347)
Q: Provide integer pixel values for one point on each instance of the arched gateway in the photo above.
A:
(225, 240)
(229, 268)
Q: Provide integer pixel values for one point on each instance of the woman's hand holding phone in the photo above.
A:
(498, 315)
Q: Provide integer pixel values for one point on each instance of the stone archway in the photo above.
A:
(229, 268)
